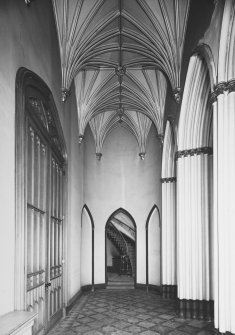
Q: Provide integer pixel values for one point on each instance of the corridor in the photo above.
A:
(123, 312)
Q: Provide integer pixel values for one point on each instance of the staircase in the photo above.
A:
(125, 245)
(123, 282)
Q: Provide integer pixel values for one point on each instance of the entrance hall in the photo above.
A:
(117, 183)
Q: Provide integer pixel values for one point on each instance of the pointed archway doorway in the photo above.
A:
(120, 251)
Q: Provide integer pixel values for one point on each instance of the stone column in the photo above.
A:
(224, 205)
(193, 233)
(169, 288)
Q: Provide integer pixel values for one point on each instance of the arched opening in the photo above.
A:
(153, 248)
(41, 186)
(194, 194)
(120, 250)
(87, 249)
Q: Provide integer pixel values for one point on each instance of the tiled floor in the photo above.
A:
(127, 312)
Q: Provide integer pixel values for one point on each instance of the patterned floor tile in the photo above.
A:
(149, 332)
(146, 324)
(106, 312)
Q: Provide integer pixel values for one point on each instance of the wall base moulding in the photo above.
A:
(195, 309)
(169, 291)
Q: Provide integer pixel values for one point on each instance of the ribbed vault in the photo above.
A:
(121, 54)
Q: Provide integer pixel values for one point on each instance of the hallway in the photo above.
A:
(127, 312)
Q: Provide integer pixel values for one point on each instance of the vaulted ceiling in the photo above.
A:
(121, 54)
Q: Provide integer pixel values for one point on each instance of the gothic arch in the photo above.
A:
(38, 128)
(87, 210)
(125, 212)
(152, 211)
(226, 67)
(122, 210)
(204, 51)
(196, 113)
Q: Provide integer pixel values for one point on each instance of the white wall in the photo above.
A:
(28, 38)
(154, 249)
(121, 179)
(86, 249)
(75, 201)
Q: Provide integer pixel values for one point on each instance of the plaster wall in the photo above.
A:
(86, 250)
(154, 249)
(121, 179)
(28, 39)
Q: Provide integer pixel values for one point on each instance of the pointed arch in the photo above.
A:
(196, 110)
(87, 210)
(39, 144)
(130, 217)
(226, 67)
(154, 208)
(204, 51)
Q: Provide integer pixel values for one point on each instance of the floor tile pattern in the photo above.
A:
(106, 312)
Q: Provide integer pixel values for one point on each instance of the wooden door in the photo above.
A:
(44, 226)
(55, 243)
(36, 226)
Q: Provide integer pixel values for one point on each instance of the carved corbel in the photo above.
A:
(177, 94)
(80, 138)
(98, 156)
(65, 94)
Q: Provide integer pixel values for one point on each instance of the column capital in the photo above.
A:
(222, 87)
(195, 151)
(168, 180)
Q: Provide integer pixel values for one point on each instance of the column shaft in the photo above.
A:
(224, 212)
(168, 239)
(194, 236)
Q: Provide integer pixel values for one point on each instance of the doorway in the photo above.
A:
(40, 185)
(120, 251)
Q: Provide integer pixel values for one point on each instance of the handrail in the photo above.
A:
(131, 230)
(119, 234)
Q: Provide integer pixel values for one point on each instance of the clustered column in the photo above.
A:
(193, 233)
(223, 99)
(169, 288)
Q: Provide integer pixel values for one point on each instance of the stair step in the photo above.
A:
(120, 287)
(121, 282)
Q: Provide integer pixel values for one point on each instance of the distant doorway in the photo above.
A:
(120, 250)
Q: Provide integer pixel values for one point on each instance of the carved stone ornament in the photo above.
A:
(231, 85)
(142, 155)
(65, 94)
(28, 2)
(161, 138)
(120, 111)
(99, 155)
(222, 87)
(213, 97)
(80, 139)
(177, 95)
(120, 71)
(192, 152)
(168, 180)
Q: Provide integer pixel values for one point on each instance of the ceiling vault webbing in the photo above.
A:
(120, 54)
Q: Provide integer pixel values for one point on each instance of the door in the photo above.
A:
(44, 226)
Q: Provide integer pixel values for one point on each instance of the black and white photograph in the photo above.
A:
(117, 183)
